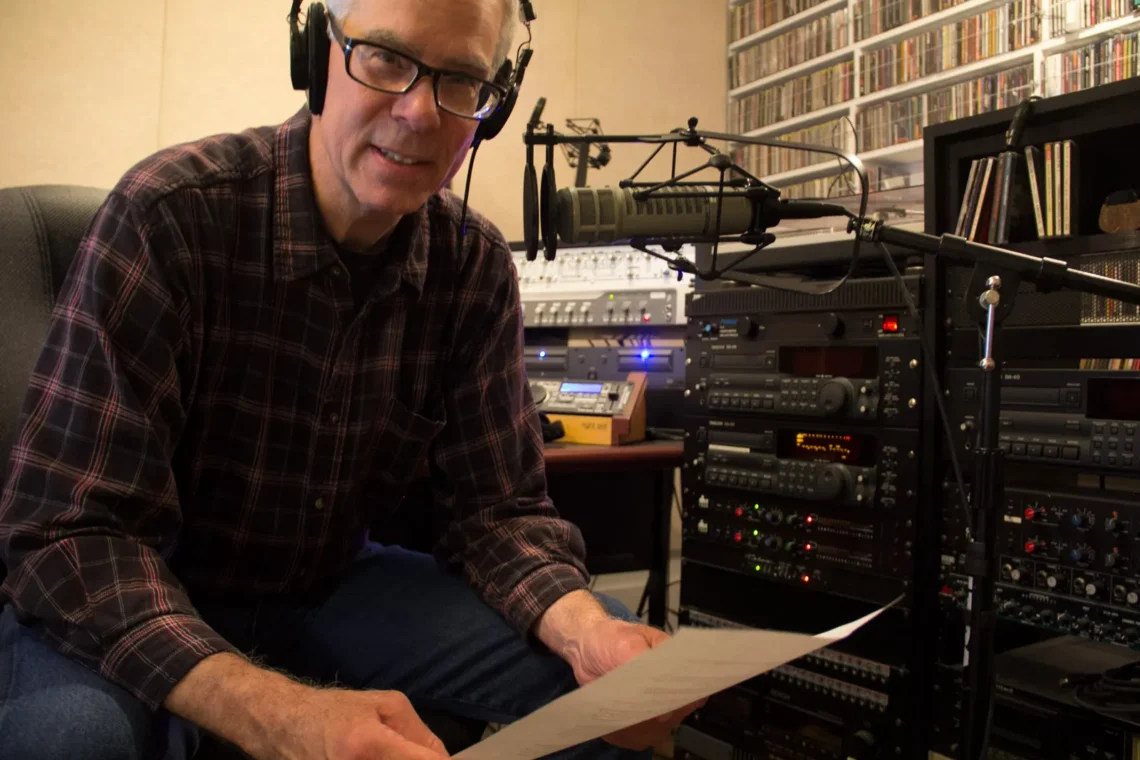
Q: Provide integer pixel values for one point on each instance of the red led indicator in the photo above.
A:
(809, 519)
(890, 324)
(740, 511)
(1029, 513)
(805, 578)
(737, 537)
(644, 317)
(1030, 547)
(809, 546)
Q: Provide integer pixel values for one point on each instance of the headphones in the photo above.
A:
(309, 64)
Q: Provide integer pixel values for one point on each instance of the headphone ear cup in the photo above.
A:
(493, 124)
(316, 29)
(299, 61)
(530, 212)
(298, 55)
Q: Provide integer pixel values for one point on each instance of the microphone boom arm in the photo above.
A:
(745, 184)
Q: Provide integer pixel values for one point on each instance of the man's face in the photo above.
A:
(359, 126)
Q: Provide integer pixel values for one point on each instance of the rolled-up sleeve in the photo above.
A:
(488, 463)
(90, 506)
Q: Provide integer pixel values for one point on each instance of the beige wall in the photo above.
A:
(90, 87)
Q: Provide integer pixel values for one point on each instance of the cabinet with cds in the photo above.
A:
(1068, 533)
(869, 76)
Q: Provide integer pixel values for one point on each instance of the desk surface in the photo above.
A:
(561, 457)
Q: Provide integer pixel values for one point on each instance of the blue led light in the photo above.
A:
(645, 354)
(541, 354)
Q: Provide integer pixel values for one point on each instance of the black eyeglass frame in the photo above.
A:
(347, 44)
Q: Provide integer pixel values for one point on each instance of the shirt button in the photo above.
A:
(319, 503)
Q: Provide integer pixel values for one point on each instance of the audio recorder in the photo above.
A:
(804, 504)
(856, 365)
(595, 412)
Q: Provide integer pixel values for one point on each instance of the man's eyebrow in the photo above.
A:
(472, 66)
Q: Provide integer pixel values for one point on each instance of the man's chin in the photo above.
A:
(390, 200)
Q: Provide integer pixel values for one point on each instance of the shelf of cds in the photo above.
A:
(866, 76)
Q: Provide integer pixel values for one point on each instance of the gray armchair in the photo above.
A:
(40, 229)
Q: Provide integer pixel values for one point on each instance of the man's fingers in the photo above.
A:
(691, 707)
(419, 733)
(396, 711)
(394, 745)
(633, 738)
(676, 716)
(654, 636)
(373, 740)
(643, 735)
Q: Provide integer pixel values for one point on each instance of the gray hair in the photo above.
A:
(340, 8)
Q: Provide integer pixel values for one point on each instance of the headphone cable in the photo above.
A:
(467, 190)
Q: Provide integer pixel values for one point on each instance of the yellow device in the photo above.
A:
(605, 413)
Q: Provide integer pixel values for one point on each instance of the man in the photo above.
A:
(262, 337)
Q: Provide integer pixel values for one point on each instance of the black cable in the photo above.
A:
(1116, 690)
(719, 209)
(467, 190)
(843, 174)
(936, 389)
(932, 376)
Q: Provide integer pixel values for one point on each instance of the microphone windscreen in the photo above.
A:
(610, 214)
(548, 212)
(530, 212)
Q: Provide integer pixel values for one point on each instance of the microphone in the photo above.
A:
(536, 114)
(611, 214)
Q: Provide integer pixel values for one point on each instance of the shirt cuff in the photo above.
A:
(150, 659)
(538, 591)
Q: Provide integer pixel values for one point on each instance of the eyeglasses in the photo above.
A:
(381, 68)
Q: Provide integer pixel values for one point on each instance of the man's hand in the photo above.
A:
(593, 643)
(333, 724)
(271, 716)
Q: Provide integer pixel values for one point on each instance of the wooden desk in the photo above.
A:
(651, 458)
(567, 457)
(662, 457)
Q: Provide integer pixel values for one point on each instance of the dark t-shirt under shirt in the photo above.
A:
(363, 271)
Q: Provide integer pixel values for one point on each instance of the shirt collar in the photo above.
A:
(301, 246)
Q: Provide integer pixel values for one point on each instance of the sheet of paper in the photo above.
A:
(695, 663)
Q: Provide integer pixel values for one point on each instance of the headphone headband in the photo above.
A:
(309, 64)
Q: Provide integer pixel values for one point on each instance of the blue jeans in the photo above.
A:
(395, 621)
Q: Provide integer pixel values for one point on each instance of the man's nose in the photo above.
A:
(417, 106)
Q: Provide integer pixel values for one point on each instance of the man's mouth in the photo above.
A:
(397, 158)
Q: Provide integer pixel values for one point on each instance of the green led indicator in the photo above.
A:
(756, 506)
(757, 568)
(611, 296)
(755, 533)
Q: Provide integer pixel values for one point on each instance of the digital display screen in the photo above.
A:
(1112, 398)
(587, 388)
(839, 361)
(825, 447)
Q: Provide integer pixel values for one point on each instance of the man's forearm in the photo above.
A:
(562, 625)
(233, 698)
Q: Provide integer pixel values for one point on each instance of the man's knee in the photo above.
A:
(52, 707)
(616, 608)
(73, 722)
